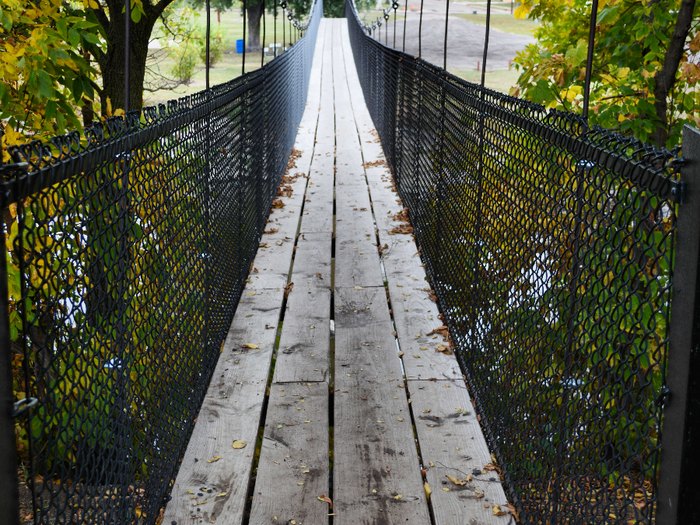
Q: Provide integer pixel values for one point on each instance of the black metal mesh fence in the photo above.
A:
(127, 250)
(551, 250)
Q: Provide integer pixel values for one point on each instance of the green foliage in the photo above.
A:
(632, 39)
(43, 74)
(216, 47)
(186, 58)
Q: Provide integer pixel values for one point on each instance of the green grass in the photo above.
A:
(504, 22)
(229, 67)
(500, 80)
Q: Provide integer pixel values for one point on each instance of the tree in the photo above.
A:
(44, 73)
(110, 54)
(645, 72)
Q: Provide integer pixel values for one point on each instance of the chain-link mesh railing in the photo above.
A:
(127, 250)
(551, 249)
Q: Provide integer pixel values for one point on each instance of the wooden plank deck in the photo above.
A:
(334, 400)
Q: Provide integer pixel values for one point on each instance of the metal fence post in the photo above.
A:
(9, 494)
(683, 310)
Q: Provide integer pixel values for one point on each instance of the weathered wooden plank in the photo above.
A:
(305, 341)
(213, 479)
(376, 476)
(452, 444)
(293, 469)
(318, 207)
(356, 261)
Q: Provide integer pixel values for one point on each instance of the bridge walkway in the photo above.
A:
(336, 398)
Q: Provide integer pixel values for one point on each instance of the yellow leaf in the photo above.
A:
(398, 497)
(325, 499)
(521, 11)
(239, 444)
(456, 481)
(498, 511)
(214, 459)
(251, 346)
(428, 490)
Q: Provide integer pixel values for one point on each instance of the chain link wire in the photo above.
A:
(550, 247)
(128, 249)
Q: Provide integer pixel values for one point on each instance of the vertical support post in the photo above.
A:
(9, 495)
(683, 311)
(589, 59)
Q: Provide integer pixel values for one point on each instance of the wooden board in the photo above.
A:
(451, 443)
(293, 468)
(211, 489)
(376, 476)
(357, 262)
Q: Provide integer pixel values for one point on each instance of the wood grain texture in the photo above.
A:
(304, 347)
(293, 469)
(210, 489)
(376, 472)
(451, 443)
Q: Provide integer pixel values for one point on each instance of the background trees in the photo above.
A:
(646, 68)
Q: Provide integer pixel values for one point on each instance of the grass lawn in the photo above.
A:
(504, 22)
(499, 80)
(231, 29)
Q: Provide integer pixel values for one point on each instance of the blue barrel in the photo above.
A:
(239, 46)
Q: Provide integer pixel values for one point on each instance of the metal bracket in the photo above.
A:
(23, 406)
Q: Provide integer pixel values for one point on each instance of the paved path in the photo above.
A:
(465, 45)
(336, 399)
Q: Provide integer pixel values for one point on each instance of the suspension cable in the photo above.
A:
(395, 6)
(444, 48)
(127, 53)
(283, 5)
(262, 46)
(405, 17)
(420, 30)
(207, 53)
(486, 43)
(589, 59)
(245, 43)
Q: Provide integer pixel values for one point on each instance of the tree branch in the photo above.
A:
(666, 77)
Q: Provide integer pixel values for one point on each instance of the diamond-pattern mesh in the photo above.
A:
(127, 252)
(550, 247)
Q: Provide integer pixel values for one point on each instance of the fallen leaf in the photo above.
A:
(277, 203)
(325, 499)
(288, 289)
(239, 444)
(428, 490)
(221, 494)
(456, 481)
(498, 511)
(251, 346)
(214, 459)
(398, 497)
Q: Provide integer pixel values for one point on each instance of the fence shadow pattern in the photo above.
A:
(128, 248)
(550, 248)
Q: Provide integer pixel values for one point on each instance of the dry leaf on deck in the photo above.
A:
(239, 444)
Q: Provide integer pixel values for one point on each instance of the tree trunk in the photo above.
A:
(666, 78)
(254, 13)
(112, 68)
